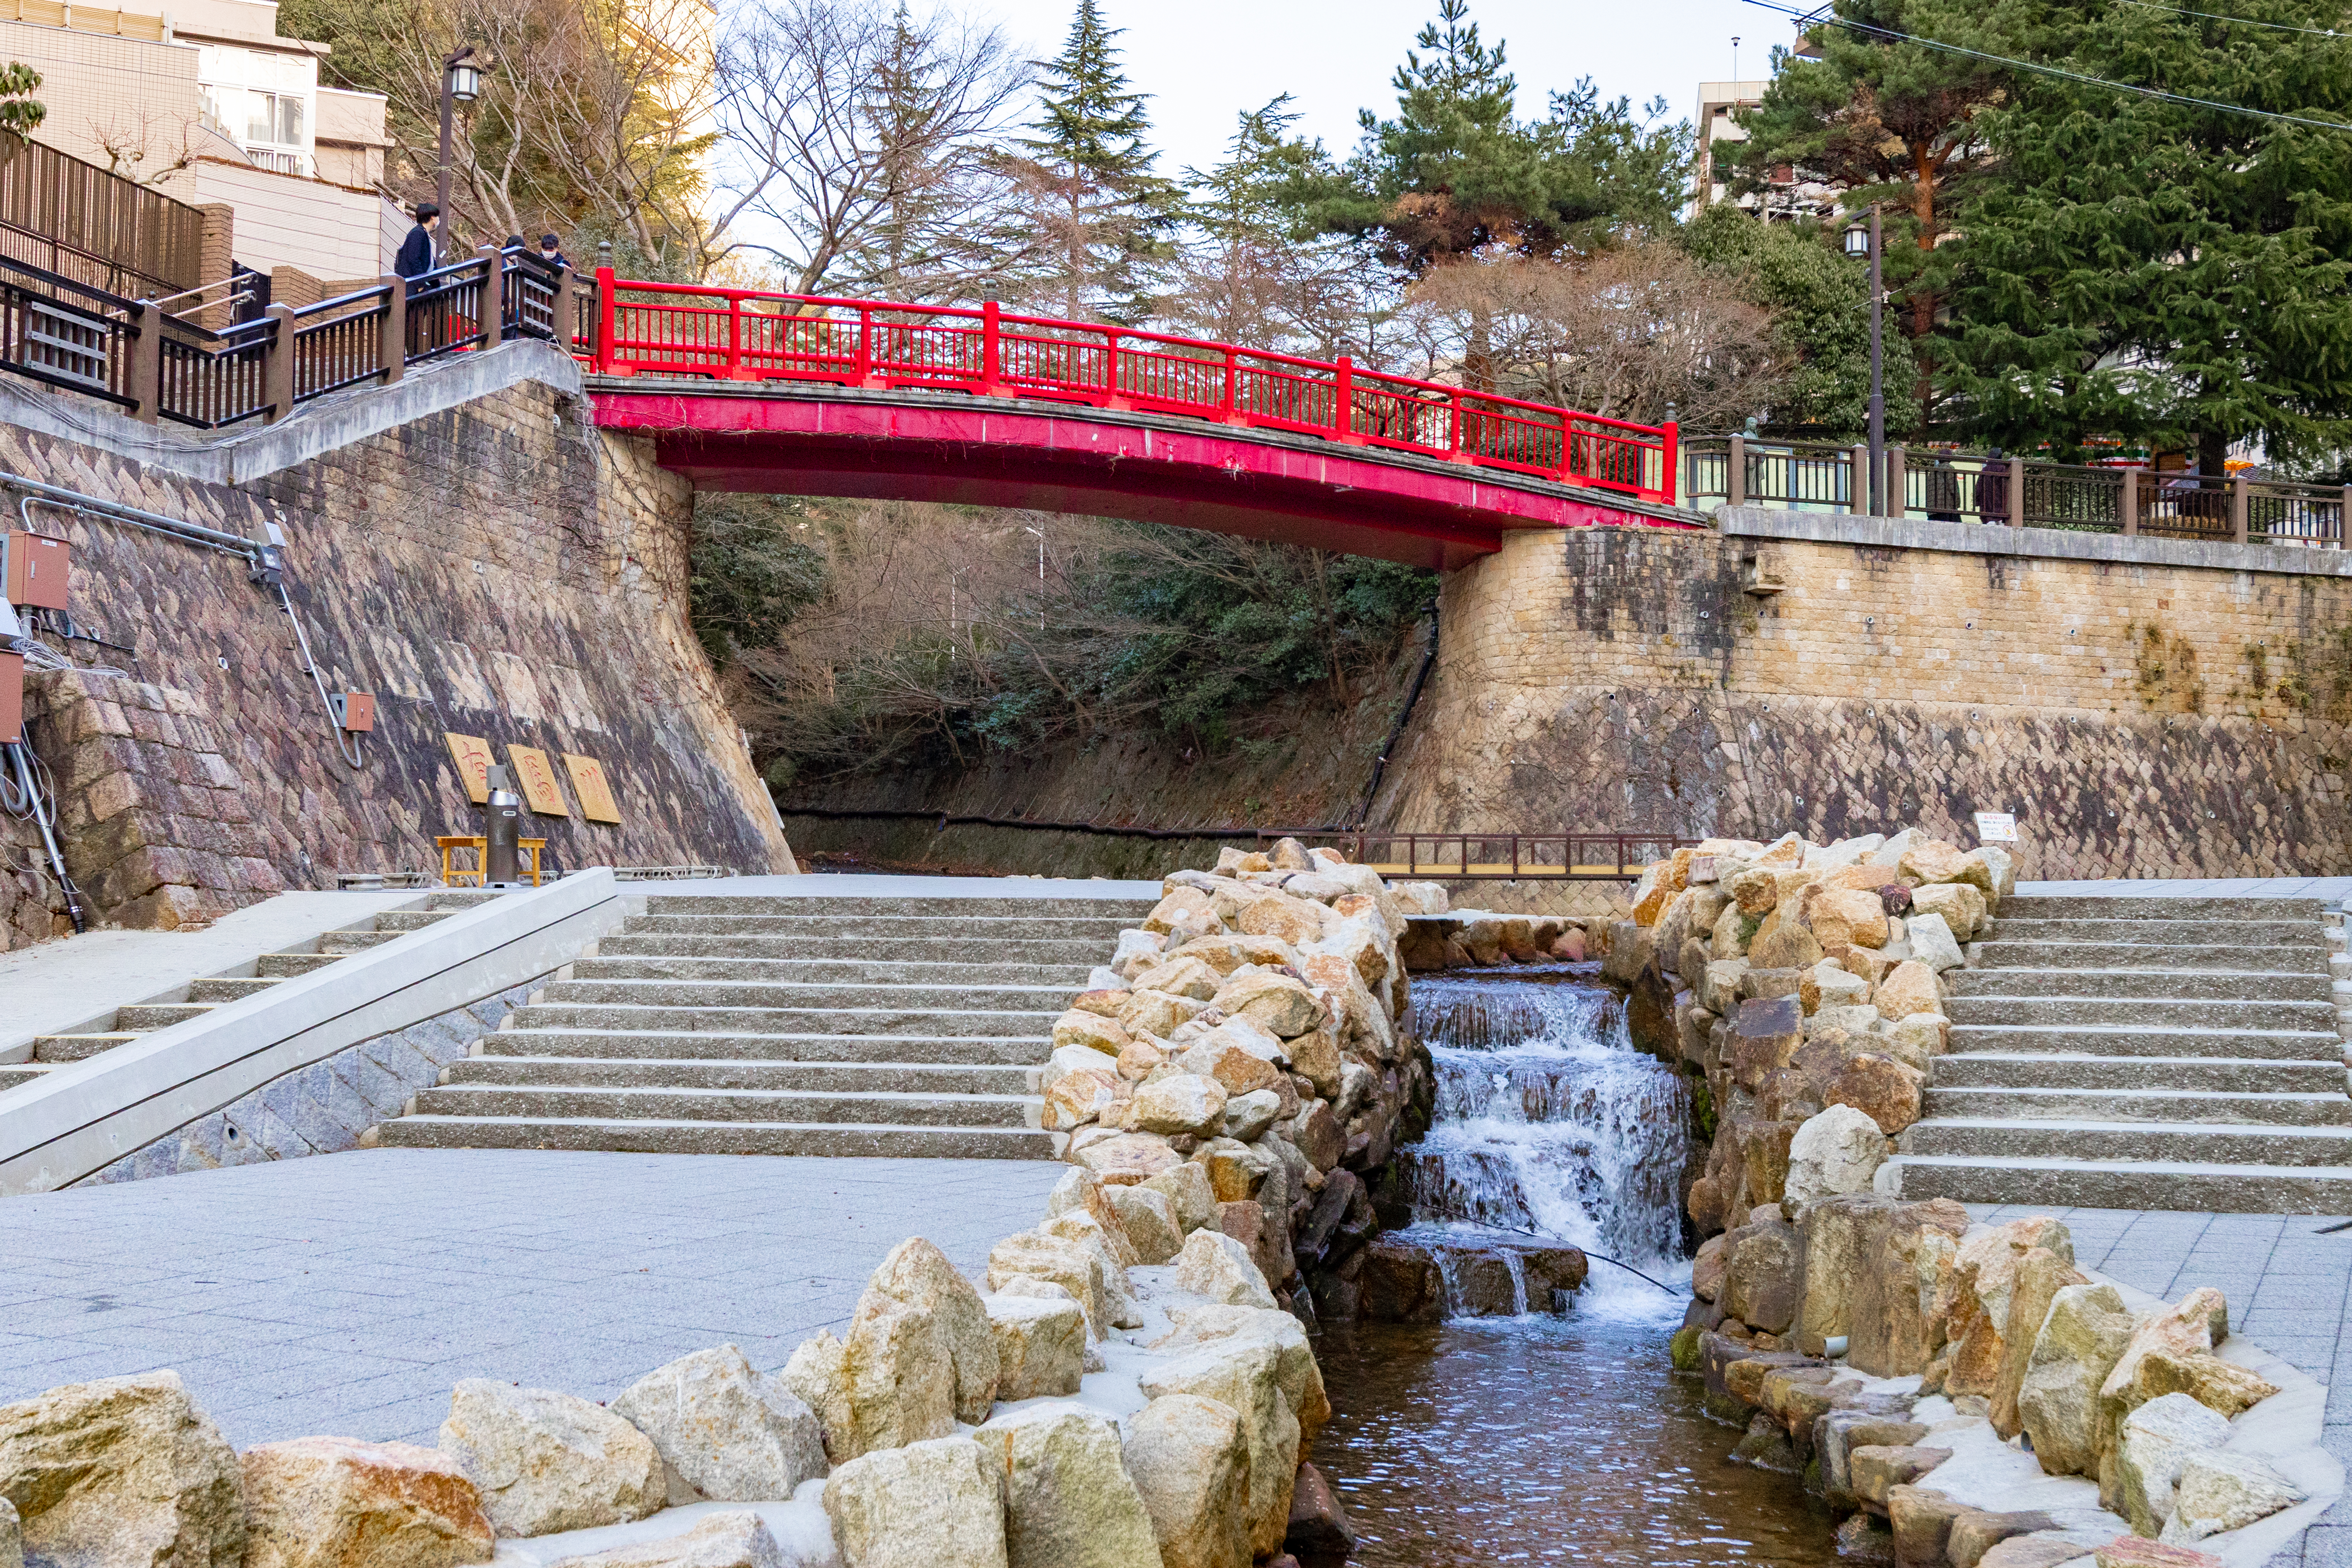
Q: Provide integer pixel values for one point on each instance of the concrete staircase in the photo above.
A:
(2144, 1052)
(806, 1025)
(52, 1051)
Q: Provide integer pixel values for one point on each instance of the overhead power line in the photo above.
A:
(1817, 17)
(2236, 21)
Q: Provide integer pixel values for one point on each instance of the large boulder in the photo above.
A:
(1246, 1376)
(1882, 1089)
(1180, 1103)
(1148, 1217)
(737, 1539)
(1847, 917)
(917, 1274)
(1301, 1380)
(1081, 1189)
(2170, 1352)
(890, 1383)
(1832, 1154)
(2224, 1491)
(337, 1502)
(1128, 1158)
(546, 1461)
(1961, 907)
(1283, 1006)
(122, 1470)
(1975, 1319)
(2154, 1444)
(1068, 1501)
(1933, 944)
(1895, 1329)
(1930, 860)
(1188, 1187)
(2041, 1274)
(1766, 1032)
(2081, 1337)
(1214, 1265)
(725, 1432)
(1909, 988)
(1763, 1279)
(1084, 1230)
(1041, 1344)
(1052, 1258)
(1090, 1031)
(938, 1503)
(1190, 1460)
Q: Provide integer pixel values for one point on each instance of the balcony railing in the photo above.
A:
(1940, 487)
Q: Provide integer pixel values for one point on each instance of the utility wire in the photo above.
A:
(2239, 21)
(1891, 36)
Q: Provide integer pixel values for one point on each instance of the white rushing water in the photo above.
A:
(1549, 1122)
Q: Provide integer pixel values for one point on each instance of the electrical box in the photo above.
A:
(36, 570)
(354, 711)
(12, 698)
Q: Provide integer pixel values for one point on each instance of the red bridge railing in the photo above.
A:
(744, 335)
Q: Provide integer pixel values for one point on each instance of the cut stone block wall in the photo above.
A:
(497, 569)
(2158, 711)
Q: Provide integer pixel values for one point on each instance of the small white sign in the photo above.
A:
(1996, 827)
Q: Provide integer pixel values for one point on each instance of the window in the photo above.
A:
(274, 116)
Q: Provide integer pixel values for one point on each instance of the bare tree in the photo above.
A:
(1625, 333)
(859, 144)
(143, 149)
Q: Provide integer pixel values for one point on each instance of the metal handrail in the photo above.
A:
(750, 334)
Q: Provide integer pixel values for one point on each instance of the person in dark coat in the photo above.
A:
(552, 251)
(418, 252)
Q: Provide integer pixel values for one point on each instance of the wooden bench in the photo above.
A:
(453, 876)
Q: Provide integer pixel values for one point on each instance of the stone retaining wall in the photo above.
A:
(2144, 708)
(497, 569)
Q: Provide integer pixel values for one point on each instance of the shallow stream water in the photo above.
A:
(1541, 1438)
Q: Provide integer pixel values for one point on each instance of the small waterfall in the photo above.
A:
(1547, 1121)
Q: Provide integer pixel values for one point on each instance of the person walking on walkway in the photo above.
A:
(419, 253)
(552, 252)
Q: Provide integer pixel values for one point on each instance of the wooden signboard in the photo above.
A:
(473, 757)
(594, 790)
(539, 790)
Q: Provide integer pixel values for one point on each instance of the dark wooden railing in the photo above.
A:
(134, 353)
(1956, 487)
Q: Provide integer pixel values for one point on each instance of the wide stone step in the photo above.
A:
(520, 1038)
(790, 993)
(784, 1020)
(889, 929)
(342, 943)
(2156, 1013)
(2293, 934)
(803, 1076)
(2203, 1143)
(793, 1107)
(78, 1048)
(2329, 1108)
(1064, 979)
(231, 988)
(2135, 1040)
(286, 965)
(2181, 1186)
(2001, 954)
(15, 1075)
(147, 1015)
(400, 921)
(2066, 905)
(1026, 910)
(952, 948)
(1991, 1070)
(867, 1141)
(2175, 984)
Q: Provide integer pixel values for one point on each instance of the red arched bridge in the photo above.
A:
(746, 390)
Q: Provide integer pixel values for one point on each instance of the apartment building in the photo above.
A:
(204, 102)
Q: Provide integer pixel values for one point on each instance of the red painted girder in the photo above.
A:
(1226, 480)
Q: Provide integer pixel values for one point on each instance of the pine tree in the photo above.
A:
(1888, 120)
(2160, 270)
(1104, 218)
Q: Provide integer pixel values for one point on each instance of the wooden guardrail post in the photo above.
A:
(2127, 507)
(2344, 517)
(2017, 492)
(142, 379)
(394, 351)
(1735, 484)
(493, 294)
(278, 366)
(1858, 480)
(566, 313)
(1899, 467)
(2238, 508)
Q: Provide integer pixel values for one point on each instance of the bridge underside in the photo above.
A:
(1254, 482)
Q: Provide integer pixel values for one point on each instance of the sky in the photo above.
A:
(1204, 61)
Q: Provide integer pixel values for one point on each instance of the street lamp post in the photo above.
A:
(1859, 241)
(461, 82)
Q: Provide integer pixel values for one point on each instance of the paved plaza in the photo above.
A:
(345, 1294)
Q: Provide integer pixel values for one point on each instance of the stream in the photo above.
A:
(1546, 1438)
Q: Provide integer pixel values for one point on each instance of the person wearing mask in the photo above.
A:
(420, 252)
(551, 252)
